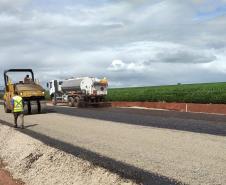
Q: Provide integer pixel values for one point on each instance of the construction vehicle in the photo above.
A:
(29, 90)
(78, 92)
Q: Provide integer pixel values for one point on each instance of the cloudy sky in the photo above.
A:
(131, 42)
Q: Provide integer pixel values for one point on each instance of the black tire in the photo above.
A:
(82, 104)
(77, 102)
(103, 99)
(71, 102)
(29, 107)
(53, 99)
(6, 109)
(39, 107)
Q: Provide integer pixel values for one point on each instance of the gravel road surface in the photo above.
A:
(153, 147)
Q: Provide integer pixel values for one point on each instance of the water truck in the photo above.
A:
(82, 91)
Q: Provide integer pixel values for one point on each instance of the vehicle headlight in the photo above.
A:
(21, 94)
(43, 92)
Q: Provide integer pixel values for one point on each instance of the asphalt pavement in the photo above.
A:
(191, 122)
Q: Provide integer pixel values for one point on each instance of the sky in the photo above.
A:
(130, 42)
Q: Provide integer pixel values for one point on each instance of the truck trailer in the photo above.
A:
(78, 92)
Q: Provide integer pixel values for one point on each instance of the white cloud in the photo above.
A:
(117, 65)
(12, 6)
(219, 65)
(156, 41)
(140, 55)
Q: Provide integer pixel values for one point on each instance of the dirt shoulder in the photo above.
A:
(6, 178)
(181, 107)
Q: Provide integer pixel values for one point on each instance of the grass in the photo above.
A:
(191, 93)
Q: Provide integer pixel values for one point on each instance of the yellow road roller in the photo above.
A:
(27, 88)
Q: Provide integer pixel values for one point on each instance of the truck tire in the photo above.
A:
(71, 102)
(53, 101)
(29, 107)
(77, 102)
(39, 107)
(103, 99)
(6, 109)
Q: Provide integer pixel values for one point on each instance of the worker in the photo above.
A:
(27, 79)
(18, 109)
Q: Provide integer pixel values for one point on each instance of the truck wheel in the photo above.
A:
(103, 99)
(39, 106)
(29, 107)
(53, 101)
(6, 109)
(71, 102)
(77, 102)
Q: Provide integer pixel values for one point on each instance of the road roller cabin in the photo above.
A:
(28, 89)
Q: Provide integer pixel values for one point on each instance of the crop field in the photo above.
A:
(191, 93)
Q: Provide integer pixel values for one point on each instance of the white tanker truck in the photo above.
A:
(78, 91)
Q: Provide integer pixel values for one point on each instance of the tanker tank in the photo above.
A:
(72, 85)
(77, 91)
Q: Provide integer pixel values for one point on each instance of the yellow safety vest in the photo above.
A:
(18, 104)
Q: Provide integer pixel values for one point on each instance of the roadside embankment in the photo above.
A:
(182, 107)
(36, 163)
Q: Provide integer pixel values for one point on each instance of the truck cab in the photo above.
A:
(54, 87)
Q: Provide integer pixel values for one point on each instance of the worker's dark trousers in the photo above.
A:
(21, 115)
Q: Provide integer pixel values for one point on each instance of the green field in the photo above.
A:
(191, 93)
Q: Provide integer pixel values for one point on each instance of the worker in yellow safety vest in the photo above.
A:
(18, 109)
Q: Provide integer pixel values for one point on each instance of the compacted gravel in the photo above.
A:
(37, 164)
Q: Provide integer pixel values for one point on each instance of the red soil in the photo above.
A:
(182, 107)
(6, 178)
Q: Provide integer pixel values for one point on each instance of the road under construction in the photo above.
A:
(146, 146)
(130, 145)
